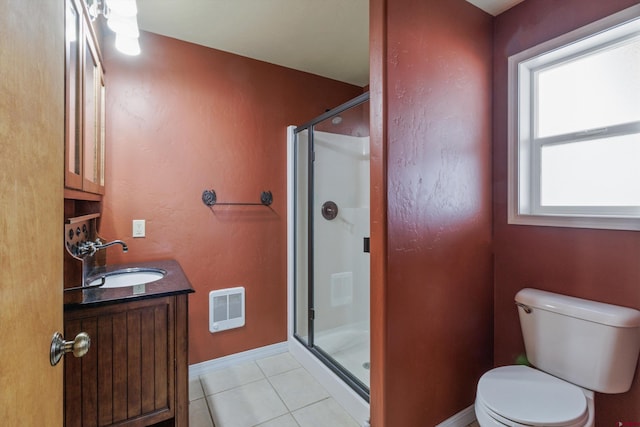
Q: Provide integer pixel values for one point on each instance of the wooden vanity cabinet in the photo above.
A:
(136, 370)
(73, 73)
(93, 119)
(84, 103)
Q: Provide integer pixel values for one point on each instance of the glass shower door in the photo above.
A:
(302, 303)
(331, 291)
(340, 245)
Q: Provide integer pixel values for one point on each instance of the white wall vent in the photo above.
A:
(226, 309)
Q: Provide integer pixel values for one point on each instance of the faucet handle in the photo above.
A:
(87, 248)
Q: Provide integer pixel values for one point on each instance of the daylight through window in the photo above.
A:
(575, 128)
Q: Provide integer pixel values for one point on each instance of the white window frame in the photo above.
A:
(524, 149)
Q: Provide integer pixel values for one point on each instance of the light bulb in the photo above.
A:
(123, 7)
(123, 25)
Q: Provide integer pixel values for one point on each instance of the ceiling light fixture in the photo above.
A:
(122, 19)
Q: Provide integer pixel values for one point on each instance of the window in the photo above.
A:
(574, 128)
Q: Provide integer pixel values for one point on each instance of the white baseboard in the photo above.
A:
(201, 368)
(461, 419)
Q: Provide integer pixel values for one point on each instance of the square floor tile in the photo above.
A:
(246, 406)
(323, 414)
(298, 388)
(277, 364)
(199, 414)
(228, 378)
(283, 421)
(195, 389)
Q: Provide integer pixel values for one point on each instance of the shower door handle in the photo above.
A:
(366, 244)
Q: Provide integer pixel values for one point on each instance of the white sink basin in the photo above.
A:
(128, 277)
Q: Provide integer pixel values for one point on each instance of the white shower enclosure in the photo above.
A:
(329, 241)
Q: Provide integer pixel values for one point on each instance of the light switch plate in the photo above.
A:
(138, 228)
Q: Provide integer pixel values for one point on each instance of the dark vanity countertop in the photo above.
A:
(175, 282)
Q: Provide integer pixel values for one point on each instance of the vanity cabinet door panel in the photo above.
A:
(73, 139)
(119, 358)
(72, 380)
(128, 375)
(81, 396)
(93, 92)
(161, 393)
(89, 381)
(84, 104)
(105, 369)
(133, 363)
(147, 365)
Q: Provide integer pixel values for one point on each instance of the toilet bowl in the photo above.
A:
(523, 396)
(576, 347)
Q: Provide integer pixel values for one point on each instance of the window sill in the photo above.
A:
(605, 223)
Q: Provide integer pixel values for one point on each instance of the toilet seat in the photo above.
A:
(523, 396)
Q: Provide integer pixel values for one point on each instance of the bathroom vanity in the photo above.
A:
(136, 370)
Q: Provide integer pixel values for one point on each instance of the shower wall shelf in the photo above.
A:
(210, 199)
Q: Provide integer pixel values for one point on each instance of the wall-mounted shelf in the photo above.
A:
(82, 218)
(210, 199)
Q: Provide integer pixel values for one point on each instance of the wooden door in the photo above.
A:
(31, 209)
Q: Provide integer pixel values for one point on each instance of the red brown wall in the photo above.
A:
(601, 265)
(432, 98)
(378, 200)
(182, 118)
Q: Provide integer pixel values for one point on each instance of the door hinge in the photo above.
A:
(312, 314)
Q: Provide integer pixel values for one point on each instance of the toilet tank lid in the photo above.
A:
(598, 312)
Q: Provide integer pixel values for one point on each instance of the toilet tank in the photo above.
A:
(590, 344)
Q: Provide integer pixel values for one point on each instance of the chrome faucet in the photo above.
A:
(115, 242)
(90, 248)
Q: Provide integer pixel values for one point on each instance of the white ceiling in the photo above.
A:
(495, 7)
(329, 38)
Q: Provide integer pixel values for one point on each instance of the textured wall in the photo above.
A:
(601, 265)
(378, 201)
(183, 118)
(436, 299)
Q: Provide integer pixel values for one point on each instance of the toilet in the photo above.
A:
(577, 347)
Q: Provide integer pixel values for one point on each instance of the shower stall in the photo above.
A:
(329, 245)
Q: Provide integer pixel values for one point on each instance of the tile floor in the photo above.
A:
(272, 392)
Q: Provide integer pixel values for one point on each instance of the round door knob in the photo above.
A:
(59, 347)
